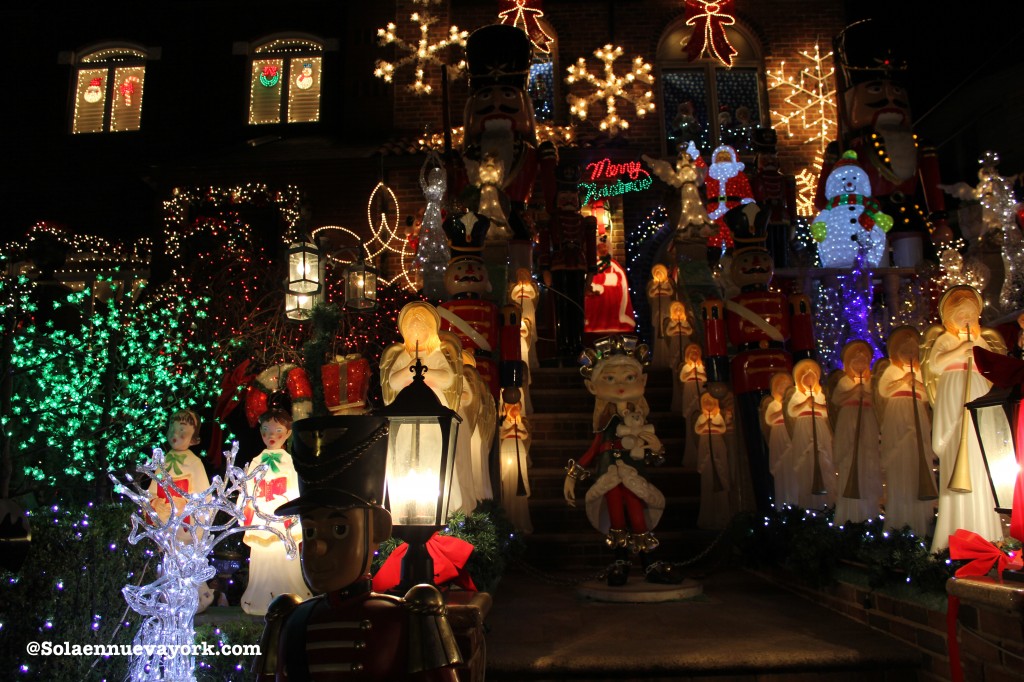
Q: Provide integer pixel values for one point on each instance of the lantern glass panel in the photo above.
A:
(360, 287)
(420, 466)
(299, 306)
(996, 439)
(303, 268)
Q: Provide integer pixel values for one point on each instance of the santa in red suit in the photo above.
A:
(727, 187)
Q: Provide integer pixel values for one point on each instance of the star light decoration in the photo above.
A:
(169, 603)
(611, 88)
(423, 52)
(810, 116)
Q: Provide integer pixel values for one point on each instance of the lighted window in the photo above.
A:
(706, 102)
(284, 81)
(108, 90)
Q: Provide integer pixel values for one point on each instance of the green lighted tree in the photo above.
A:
(95, 396)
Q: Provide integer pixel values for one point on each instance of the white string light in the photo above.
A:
(609, 89)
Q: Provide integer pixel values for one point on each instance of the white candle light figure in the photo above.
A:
(811, 435)
(856, 438)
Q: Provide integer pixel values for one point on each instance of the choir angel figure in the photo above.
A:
(856, 437)
(811, 436)
(780, 452)
(906, 452)
(965, 498)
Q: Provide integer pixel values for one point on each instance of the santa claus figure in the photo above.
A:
(727, 187)
(851, 223)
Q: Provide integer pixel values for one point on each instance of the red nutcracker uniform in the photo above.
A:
(353, 634)
(482, 317)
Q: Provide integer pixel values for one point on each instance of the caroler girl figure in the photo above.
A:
(676, 331)
(622, 503)
(660, 292)
(271, 572)
(181, 464)
(693, 377)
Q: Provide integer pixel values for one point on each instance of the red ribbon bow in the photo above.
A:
(449, 554)
(269, 71)
(963, 544)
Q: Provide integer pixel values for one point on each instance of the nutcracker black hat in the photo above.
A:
(749, 227)
(341, 462)
(865, 52)
(498, 55)
(466, 234)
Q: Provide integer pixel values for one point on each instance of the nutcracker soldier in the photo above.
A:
(758, 324)
(876, 123)
(500, 131)
(775, 193)
(348, 628)
(566, 254)
(474, 319)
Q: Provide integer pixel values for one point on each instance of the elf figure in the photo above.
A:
(271, 572)
(622, 504)
(851, 221)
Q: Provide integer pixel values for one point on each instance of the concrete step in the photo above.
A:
(555, 516)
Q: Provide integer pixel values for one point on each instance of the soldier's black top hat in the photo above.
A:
(498, 55)
(341, 462)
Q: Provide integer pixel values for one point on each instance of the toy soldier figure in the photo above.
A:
(349, 632)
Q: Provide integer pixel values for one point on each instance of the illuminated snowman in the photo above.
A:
(851, 220)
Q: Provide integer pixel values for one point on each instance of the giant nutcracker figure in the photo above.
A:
(758, 323)
(567, 253)
(500, 130)
(622, 503)
(875, 122)
(349, 630)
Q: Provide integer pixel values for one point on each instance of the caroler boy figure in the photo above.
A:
(349, 631)
(621, 503)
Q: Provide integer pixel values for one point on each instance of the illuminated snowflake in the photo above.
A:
(810, 116)
(610, 88)
(423, 52)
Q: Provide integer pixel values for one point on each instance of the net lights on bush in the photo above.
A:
(810, 115)
(423, 52)
(85, 398)
(207, 517)
(609, 89)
